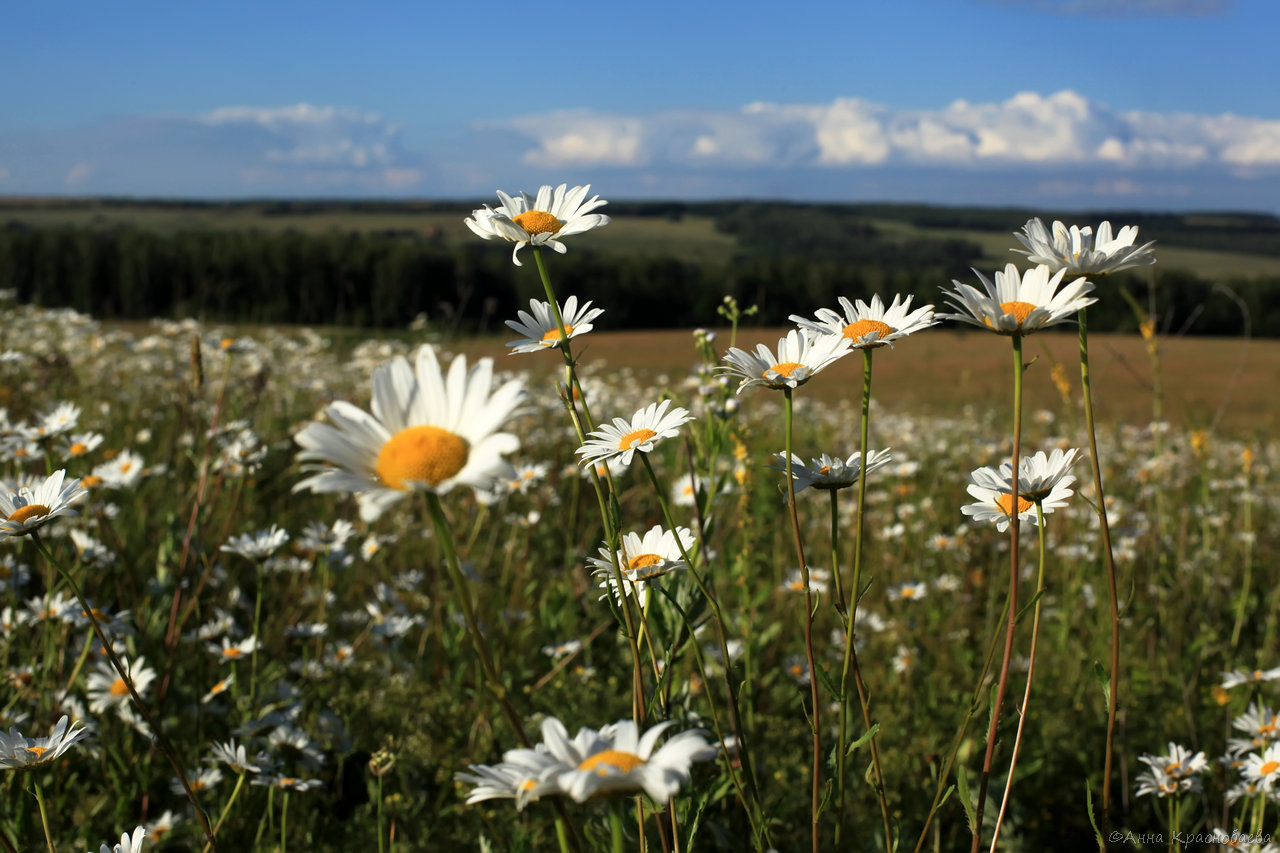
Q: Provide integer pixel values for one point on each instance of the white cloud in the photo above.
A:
(77, 174)
(1027, 129)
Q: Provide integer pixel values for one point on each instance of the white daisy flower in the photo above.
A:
(257, 546)
(1041, 480)
(799, 359)
(524, 775)
(122, 472)
(107, 690)
(234, 756)
(623, 438)
(63, 418)
(619, 759)
(1081, 251)
(1237, 677)
(830, 472)
(869, 326)
(229, 652)
(540, 329)
(643, 559)
(541, 221)
(129, 842)
(1019, 303)
(908, 591)
(428, 431)
(1263, 769)
(1177, 763)
(818, 581)
(28, 509)
(19, 751)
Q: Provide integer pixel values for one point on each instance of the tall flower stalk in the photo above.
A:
(1082, 251)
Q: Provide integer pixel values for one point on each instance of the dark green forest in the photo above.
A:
(785, 258)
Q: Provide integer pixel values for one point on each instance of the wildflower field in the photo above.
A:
(272, 589)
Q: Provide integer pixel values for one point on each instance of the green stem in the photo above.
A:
(1113, 695)
(1248, 564)
(975, 701)
(161, 740)
(444, 535)
(284, 821)
(816, 722)
(380, 822)
(44, 815)
(850, 664)
(755, 807)
(1013, 595)
(257, 641)
(1031, 670)
(226, 810)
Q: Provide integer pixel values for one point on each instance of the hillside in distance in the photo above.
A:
(380, 263)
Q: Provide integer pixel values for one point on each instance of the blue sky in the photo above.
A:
(1077, 104)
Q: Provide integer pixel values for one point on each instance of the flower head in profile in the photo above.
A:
(618, 759)
(831, 472)
(541, 221)
(1042, 480)
(129, 842)
(20, 752)
(523, 775)
(428, 431)
(869, 326)
(1082, 251)
(26, 510)
(540, 329)
(799, 358)
(643, 559)
(642, 432)
(1019, 303)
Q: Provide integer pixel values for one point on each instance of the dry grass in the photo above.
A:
(1216, 382)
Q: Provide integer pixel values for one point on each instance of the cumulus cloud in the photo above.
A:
(1027, 129)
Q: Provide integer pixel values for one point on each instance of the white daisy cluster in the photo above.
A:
(1176, 771)
(615, 759)
(1043, 481)
(1082, 251)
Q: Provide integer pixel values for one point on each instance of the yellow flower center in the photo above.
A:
(91, 481)
(23, 513)
(218, 688)
(908, 592)
(119, 688)
(643, 561)
(537, 222)
(631, 439)
(38, 751)
(528, 785)
(1020, 310)
(622, 761)
(1005, 502)
(423, 454)
(859, 330)
(554, 335)
(785, 368)
(1177, 765)
(1269, 768)
(287, 781)
(78, 449)
(232, 652)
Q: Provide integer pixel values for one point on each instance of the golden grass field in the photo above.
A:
(1226, 383)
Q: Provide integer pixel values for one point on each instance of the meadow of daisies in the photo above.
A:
(272, 590)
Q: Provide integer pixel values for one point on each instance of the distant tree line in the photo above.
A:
(791, 259)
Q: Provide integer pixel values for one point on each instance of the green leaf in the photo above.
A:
(1088, 804)
(966, 799)
(866, 738)
(1103, 679)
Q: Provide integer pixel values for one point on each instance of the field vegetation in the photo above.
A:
(364, 660)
